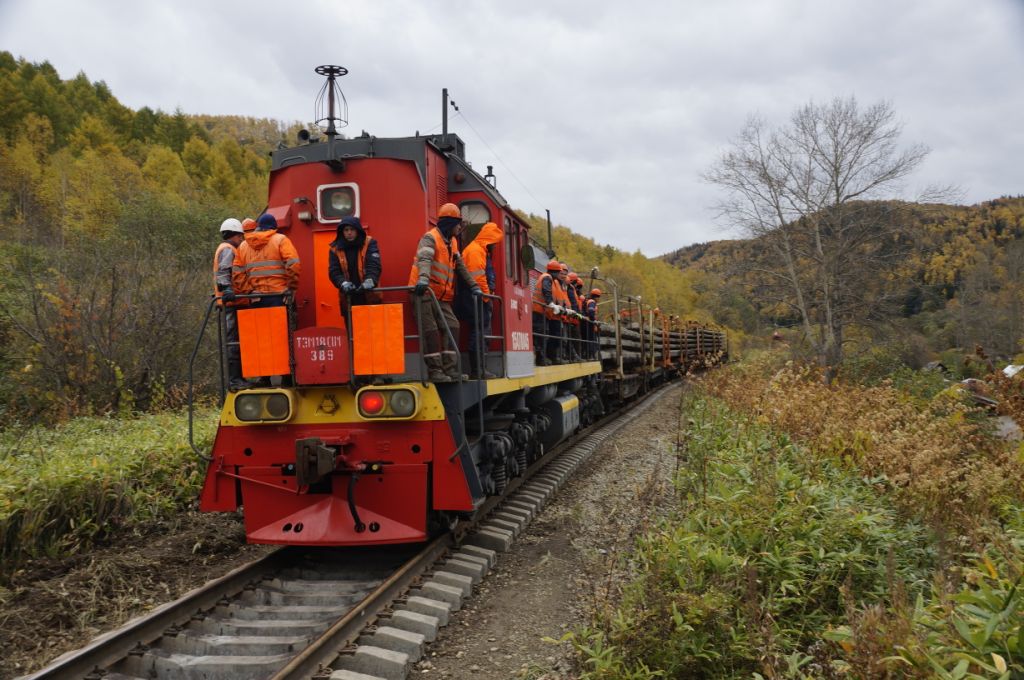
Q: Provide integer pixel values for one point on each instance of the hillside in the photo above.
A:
(962, 284)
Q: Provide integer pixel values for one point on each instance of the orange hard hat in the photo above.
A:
(449, 210)
(554, 266)
(248, 224)
(596, 292)
(573, 276)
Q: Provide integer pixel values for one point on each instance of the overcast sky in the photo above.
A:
(606, 113)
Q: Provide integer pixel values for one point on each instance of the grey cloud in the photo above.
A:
(607, 112)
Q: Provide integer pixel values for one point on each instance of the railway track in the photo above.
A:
(338, 613)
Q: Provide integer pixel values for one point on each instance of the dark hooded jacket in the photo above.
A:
(350, 251)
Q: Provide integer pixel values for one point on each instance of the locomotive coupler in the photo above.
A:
(313, 460)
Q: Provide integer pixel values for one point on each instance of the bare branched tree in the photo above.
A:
(816, 192)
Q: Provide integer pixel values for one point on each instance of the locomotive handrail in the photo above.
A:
(191, 383)
(222, 348)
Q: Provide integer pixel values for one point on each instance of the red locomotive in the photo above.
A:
(352, 445)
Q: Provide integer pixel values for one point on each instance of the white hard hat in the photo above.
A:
(231, 224)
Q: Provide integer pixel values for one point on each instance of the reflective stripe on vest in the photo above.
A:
(442, 268)
(274, 268)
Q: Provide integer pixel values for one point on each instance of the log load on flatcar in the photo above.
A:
(341, 439)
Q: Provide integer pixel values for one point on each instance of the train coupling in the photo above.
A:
(313, 460)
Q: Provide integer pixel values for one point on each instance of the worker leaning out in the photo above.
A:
(267, 264)
(478, 258)
(354, 265)
(434, 267)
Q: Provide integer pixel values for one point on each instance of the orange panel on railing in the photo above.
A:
(263, 334)
(378, 345)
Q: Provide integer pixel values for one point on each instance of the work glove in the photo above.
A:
(475, 290)
(557, 309)
(367, 284)
(420, 289)
(347, 287)
(227, 295)
(288, 298)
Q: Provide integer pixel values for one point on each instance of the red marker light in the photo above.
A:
(371, 403)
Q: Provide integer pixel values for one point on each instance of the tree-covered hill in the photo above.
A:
(961, 285)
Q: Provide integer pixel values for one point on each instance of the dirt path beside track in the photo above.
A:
(562, 563)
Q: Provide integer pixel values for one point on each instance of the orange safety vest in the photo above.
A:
(539, 304)
(266, 264)
(442, 269)
(372, 295)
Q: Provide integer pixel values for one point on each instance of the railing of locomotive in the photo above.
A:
(483, 342)
(591, 348)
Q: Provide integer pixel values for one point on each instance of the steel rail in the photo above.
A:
(112, 647)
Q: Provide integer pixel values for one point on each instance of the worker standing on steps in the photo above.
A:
(232, 235)
(434, 267)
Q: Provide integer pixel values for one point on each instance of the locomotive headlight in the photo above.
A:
(403, 403)
(262, 407)
(277, 407)
(248, 407)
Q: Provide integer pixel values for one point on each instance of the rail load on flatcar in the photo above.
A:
(339, 438)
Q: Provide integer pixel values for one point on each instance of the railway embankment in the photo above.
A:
(784, 528)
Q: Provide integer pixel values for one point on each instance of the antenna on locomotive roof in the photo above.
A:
(334, 95)
(445, 101)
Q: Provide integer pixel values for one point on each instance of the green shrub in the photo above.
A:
(63, 489)
(767, 550)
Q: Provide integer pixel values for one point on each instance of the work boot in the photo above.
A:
(474, 370)
(239, 384)
(435, 370)
(450, 365)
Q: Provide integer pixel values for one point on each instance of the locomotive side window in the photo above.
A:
(336, 201)
(511, 268)
(474, 215)
(522, 239)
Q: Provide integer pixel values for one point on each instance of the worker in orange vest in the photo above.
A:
(434, 267)
(232, 235)
(477, 256)
(353, 265)
(560, 289)
(546, 311)
(266, 263)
